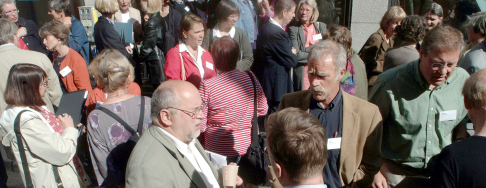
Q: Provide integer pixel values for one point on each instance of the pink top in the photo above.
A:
(229, 112)
(309, 32)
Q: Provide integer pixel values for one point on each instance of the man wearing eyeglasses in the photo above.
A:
(168, 154)
(422, 109)
(28, 30)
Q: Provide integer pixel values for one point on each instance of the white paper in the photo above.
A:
(64, 72)
(209, 65)
(218, 160)
(86, 94)
(317, 37)
(187, 9)
(333, 143)
(448, 115)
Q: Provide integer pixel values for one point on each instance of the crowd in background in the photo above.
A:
(393, 114)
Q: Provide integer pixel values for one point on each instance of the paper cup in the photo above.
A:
(230, 173)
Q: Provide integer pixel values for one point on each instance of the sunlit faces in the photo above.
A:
(392, 25)
(51, 42)
(323, 78)
(43, 87)
(305, 12)
(185, 127)
(124, 5)
(10, 12)
(432, 20)
(438, 65)
(231, 20)
(55, 15)
(195, 35)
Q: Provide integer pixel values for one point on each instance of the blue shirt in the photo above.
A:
(332, 120)
(78, 39)
(248, 19)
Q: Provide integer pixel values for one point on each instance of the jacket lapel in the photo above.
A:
(302, 37)
(383, 43)
(206, 158)
(183, 161)
(349, 124)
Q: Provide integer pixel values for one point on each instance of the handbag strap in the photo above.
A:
(183, 69)
(142, 112)
(114, 116)
(254, 127)
(23, 158)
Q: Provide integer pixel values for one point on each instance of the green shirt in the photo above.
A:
(412, 130)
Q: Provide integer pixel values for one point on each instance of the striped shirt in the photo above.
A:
(229, 112)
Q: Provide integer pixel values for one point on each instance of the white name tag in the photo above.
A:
(333, 143)
(317, 37)
(187, 9)
(64, 72)
(209, 65)
(448, 115)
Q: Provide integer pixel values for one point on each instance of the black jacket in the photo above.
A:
(32, 39)
(156, 34)
(197, 7)
(106, 36)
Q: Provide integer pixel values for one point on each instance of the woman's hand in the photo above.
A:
(66, 120)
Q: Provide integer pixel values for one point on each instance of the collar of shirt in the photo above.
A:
(423, 83)
(181, 146)
(8, 44)
(337, 100)
(198, 61)
(307, 186)
(275, 23)
(217, 34)
(109, 21)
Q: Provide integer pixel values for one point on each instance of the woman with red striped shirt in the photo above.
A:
(229, 103)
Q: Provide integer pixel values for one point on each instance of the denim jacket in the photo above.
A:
(247, 22)
(78, 39)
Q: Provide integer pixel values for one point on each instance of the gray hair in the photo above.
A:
(326, 47)
(443, 38)
(163, 98)
(474, 90)
(60, 5)
(478, 22)
(436, 9)
(7, 31)
(2, 2)
(311, 3)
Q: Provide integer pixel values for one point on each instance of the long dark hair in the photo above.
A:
(23, 85)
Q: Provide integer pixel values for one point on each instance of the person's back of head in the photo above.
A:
(115, 71)
(8, 30)
(474, 92)
(412, 29)
(23, 85)
(341, 35)
(297, 147)
(281, 5)
(478, 23)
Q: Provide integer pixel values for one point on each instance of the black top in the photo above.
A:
(461, 164)
(106, 36)
(56, 66)
(32, 39)
(332, 120)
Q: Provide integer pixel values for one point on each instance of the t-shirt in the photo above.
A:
(125, 17)
(461, 164)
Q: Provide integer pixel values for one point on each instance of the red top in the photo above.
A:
(229, 112)
(173, 67)
(78, 78)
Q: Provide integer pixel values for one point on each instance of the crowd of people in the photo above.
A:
(393, 114)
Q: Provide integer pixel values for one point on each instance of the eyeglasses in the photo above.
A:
(192, 114)
(14, 11)
(440, 66)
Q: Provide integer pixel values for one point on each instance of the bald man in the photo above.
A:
(168, 154)
(461, 164)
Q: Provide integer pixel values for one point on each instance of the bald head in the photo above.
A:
(474, 90)
(171, 94)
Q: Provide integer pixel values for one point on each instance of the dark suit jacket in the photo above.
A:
(360, 157)
(273, 61)
(106, 37)
(156, 162)
(32, 39)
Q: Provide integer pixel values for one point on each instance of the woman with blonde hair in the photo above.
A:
(104, 33)
(303, 35)
(120, 117)
(373, 51)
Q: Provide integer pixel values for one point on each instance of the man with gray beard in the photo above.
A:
(353, 126)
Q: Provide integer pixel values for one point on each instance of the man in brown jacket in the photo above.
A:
(353, 126)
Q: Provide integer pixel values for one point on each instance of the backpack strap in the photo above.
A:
(142, 112)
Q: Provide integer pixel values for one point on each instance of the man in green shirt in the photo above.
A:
(421, 104)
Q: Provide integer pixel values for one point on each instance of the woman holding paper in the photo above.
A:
(49, 141)
(188, 60)
(68, 64)
(306, 33)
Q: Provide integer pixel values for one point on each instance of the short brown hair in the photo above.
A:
(297, 141)
(153, 6)
(393, 13)
(107, 6)
(281, 5)
(114, 70)
(444, 38)
(226, 53)
(226, 8)
(56, 29)
(188, 21)
(412, 29)
(23, 85)
(341, 35)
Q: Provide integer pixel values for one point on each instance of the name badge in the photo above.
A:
(187, 9)
(333, 143)
(64, 72)
(209, 65)
(448, 115)
(317, 37)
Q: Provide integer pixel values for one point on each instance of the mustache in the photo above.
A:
(318, 89)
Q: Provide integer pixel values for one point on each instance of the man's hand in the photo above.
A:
(66, 21)
(379, 181)
(129, 50)
(22, 32)
(294, 51)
